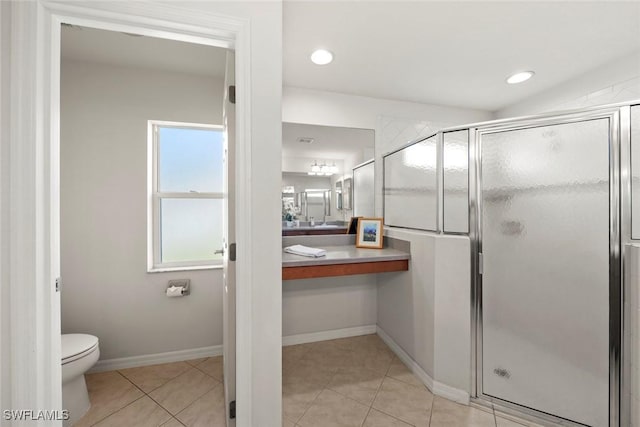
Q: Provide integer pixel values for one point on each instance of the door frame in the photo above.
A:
(33, 263)
(619, 226)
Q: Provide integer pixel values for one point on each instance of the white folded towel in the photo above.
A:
(305, 251)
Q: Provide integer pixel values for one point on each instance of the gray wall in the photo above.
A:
(406, 310)
(330, 303)
(106, 289)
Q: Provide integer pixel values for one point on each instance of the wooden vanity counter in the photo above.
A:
(343, 258)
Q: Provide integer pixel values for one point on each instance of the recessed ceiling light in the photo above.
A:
(321, 57)
(520, 77)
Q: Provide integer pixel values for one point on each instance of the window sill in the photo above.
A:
(184, 268)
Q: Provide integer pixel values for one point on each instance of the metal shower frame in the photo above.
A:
(619, 116)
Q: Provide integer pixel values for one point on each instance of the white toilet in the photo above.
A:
(79, 353)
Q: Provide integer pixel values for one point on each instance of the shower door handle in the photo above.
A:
(480, 263)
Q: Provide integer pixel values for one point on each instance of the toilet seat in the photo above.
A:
(77, 346)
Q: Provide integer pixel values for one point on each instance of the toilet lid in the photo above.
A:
(74, 344)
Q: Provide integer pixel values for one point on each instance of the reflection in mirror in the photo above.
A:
(339, 195)
(363, 189)
(346, 194)
(317, 171)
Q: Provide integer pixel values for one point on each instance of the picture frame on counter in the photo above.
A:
(370, 233)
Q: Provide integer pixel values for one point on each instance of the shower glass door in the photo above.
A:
(545, 244)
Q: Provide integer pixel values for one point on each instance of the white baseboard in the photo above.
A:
(328, 335)
(406, 359)
(195, 353)
(451, 393)
(434, 386)
(153, 359)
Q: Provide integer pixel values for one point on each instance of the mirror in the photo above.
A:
(317, 171)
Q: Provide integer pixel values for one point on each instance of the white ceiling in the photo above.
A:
(450, 52)
(438, 52)
(329, 142)
(111, 47)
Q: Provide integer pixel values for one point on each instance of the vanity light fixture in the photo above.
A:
(520, 77)
(321, 57)
(322, 170)
(315, 169)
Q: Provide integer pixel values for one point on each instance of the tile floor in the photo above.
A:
(360, 382)
(345, 382)
(176, 394)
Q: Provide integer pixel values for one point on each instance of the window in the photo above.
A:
(185, 195)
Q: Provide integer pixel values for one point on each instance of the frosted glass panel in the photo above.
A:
(545, 286)
(363, 190)
(635, 172)
(455, 162)
(190, 160)
(191, 229)
(410, 187)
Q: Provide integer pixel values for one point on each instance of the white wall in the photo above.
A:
(406, 300)
(452, 336)
(262, 297)
(106, 289)
(337, 109)
(617, 81)
(5, 354)
(326, 304)
(426, 311)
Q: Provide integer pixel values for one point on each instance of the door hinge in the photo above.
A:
(480, 263)
(58, 280)
(232, 410)
(232, 94)
(232, 252)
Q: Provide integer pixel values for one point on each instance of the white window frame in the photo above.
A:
(154, 242)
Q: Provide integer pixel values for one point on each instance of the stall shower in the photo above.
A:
(547, 204)
(547, 261)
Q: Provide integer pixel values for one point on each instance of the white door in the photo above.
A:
(229, 238)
